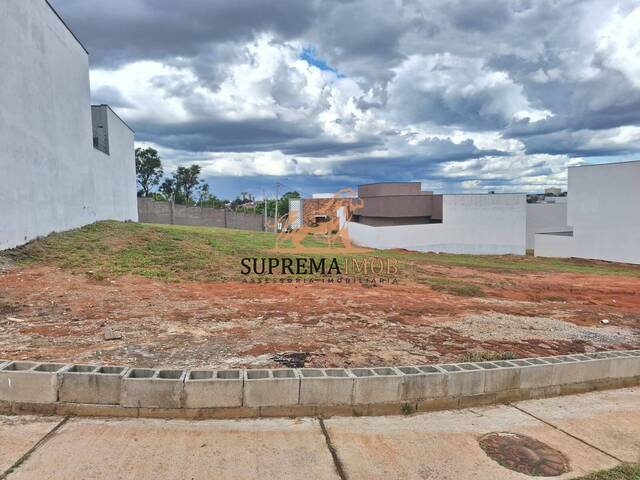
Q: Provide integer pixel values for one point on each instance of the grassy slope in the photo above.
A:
(623, 472)
(174, 253)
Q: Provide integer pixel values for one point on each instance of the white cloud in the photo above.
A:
(450, 90)
(147, 86)
(619, 45)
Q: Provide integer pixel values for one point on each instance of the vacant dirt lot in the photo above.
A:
(53, 313)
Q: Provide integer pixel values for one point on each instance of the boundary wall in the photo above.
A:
(167, 213)
(478, 224)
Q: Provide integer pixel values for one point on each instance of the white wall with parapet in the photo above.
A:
(51, 178)
(545, 218)
(115, 174)
(474, 224)
(604, 211)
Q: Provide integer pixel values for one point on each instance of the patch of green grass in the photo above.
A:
(622, 472)
(514, 263)
(485, 356)
(453, 286)
(174, 253)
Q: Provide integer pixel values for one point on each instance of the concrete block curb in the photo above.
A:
(266, 388)
(565, 369)
(326, 386)
(30, 382)
(144, 387)
(463, 379)
(624, 364)
(500, 376)
(534, 373)
(213, 388)
(99, 385)
(377, 385)
(423, 382)
(51, 388)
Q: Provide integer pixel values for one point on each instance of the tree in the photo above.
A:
(204, 193)
(168, 187)
(187, 180)
(148, 169)
(283, 204)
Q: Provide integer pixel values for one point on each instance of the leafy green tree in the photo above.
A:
(168, 188)
(203, 193)
(187, 179)
(148, 170)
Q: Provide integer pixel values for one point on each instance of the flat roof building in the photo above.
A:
(397, 203)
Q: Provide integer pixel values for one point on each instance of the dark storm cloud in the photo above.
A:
(225, 136)
(429, 155)
(576, 144)
(327, 148)
(246, 136)
(111, 96)
(118, 31)
(554, 77)
(480, 15)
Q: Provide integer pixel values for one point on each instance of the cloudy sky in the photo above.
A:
(463, 95)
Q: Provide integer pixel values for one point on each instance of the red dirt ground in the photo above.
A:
(51, 314)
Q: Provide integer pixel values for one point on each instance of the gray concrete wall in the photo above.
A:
(473, 224)
(603, 209)
(150, 211)
(51, 178)
(545, 218)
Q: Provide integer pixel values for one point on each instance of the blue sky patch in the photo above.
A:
(309, 56)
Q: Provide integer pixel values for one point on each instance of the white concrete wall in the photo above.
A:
(48, 176)
(604, 209)
(473, 224)
(544, 218)
(115, 174)
(548, 245)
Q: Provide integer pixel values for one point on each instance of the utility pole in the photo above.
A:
(275, 228)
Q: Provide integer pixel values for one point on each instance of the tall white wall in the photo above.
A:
(604, 211)
(473, 224)
(114, 175)
(48, 169)
(545, 218)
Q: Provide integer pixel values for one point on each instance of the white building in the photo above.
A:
(471, 223)
(546, 217)
(51, 176)
(603, 215)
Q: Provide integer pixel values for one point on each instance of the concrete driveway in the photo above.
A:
(593, 431)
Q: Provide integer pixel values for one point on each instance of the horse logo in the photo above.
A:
(329, 236)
